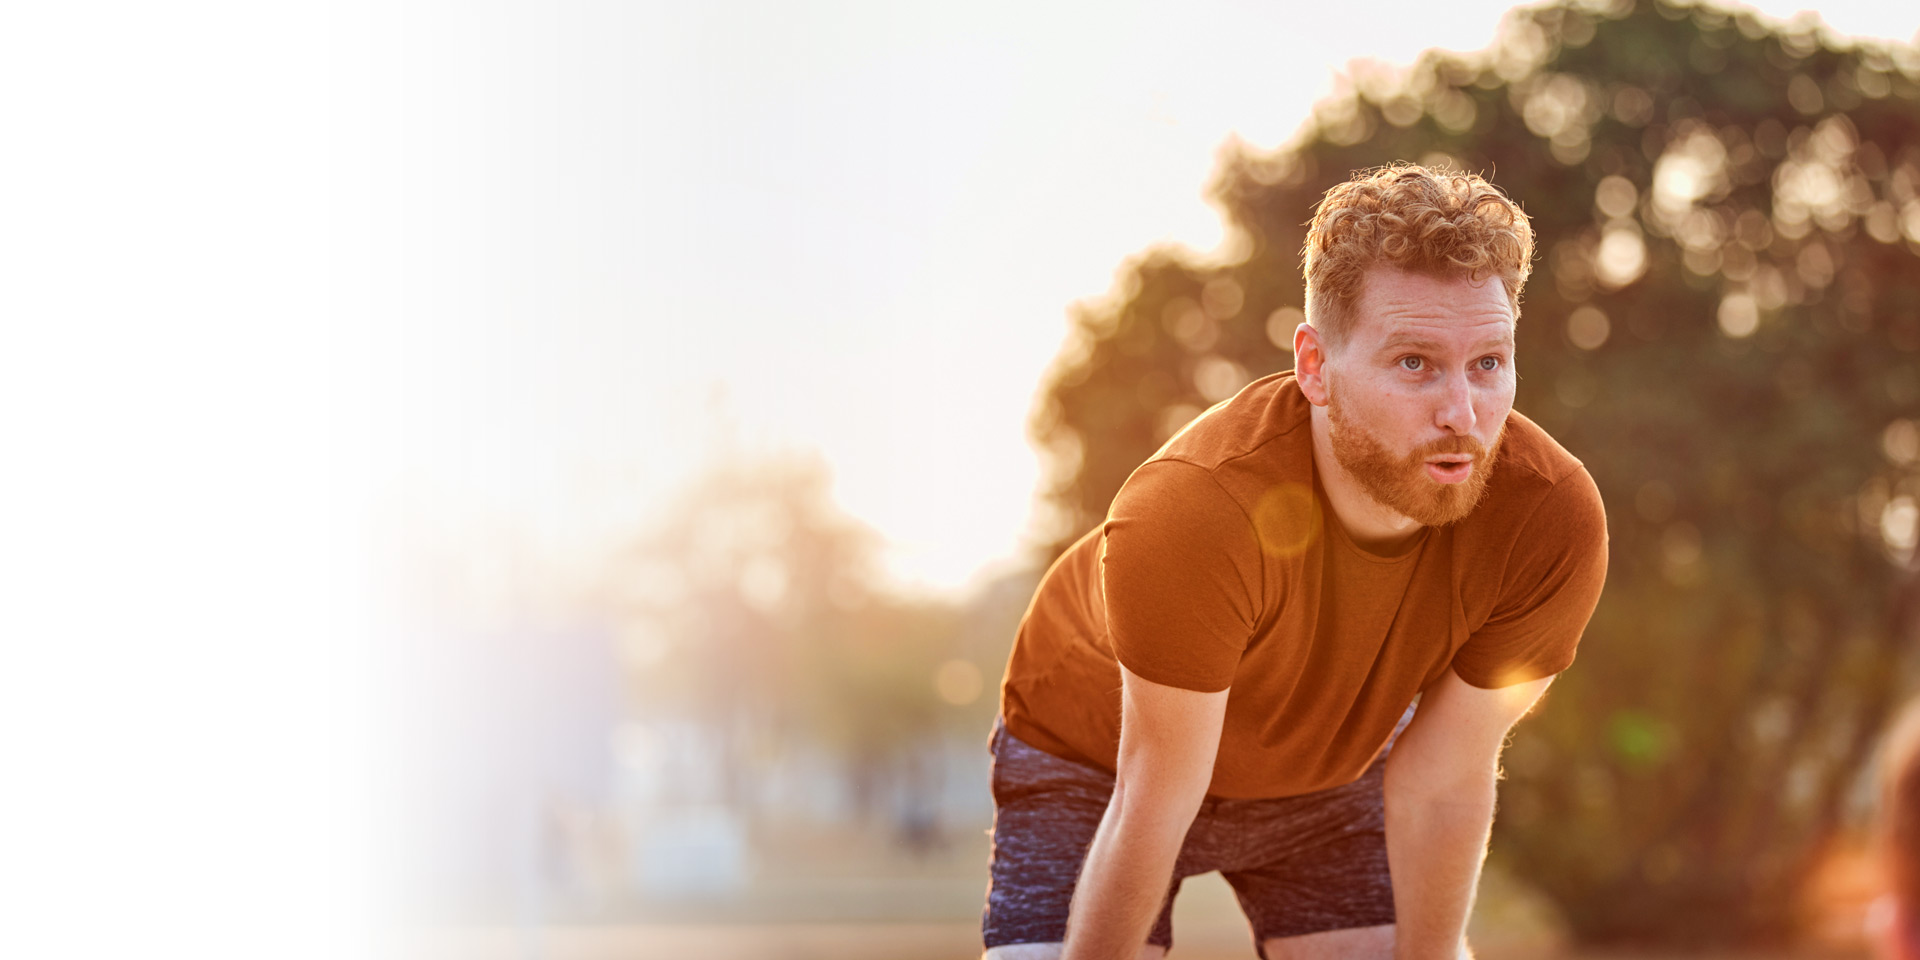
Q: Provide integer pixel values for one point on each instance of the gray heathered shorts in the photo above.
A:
(1299, 865)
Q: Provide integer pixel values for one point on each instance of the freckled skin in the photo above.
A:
(1426, 358)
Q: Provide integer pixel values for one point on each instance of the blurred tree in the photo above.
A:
(1723, 327)
(754, 609)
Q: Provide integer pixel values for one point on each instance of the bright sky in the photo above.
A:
(852, 227)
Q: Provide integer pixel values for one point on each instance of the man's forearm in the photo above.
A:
(1435, 845)
(1124, 880)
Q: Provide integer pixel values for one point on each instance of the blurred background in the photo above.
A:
(745, 365)
(561, 480)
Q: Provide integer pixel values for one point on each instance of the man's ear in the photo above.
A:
(1310, 363)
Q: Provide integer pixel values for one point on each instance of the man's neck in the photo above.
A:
(1370, 523)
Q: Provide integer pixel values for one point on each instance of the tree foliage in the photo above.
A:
(756, 610)
(1723, 326)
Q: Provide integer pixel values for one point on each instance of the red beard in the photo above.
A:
(1402, 483)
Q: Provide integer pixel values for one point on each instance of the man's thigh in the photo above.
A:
(1046, 813)
(1314, 867)
(1358, 943)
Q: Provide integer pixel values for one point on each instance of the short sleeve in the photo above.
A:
(1181, 576)
(1552, 582)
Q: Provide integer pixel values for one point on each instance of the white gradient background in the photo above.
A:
(511, 270)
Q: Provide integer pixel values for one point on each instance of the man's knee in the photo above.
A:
(1051, 951)
(1023, 951)
(1359, 943)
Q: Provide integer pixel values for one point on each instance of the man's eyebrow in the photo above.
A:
(1403, 340)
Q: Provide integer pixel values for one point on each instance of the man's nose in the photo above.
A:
(1456, 406)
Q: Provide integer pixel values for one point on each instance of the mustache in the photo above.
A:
(1455, 444)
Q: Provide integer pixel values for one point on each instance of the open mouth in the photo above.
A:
(1449, 471)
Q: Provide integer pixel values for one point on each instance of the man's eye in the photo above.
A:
(1489, 363)
(1411, 363)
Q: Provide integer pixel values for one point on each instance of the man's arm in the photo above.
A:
(1168, 739)
(1440, 796)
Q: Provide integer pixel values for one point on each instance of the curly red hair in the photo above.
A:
(1410, 217)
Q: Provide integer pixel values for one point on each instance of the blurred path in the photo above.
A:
(876, 941)
(834, 893)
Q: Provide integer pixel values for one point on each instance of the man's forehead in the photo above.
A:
(1389, 289)
(1399, 305)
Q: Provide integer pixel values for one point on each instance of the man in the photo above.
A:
(1221, 675)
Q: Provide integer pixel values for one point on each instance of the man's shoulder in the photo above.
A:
(1531, 470)
(1527, 448)
(1265, 423)
(1222, 468)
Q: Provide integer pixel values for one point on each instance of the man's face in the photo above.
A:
(1418, 394)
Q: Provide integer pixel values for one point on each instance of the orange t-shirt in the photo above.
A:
(1219, 566)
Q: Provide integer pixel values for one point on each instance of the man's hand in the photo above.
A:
(1168, 740)
(1440, 796)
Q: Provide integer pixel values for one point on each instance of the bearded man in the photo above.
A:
(1224, 674)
